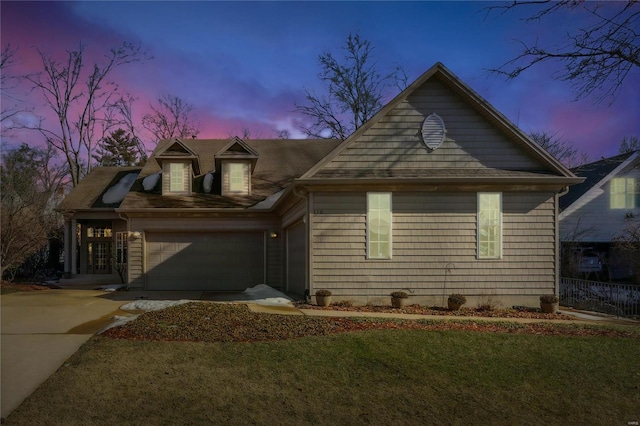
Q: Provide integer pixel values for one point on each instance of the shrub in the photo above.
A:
(458, 299)
(548, 298)
(323, 293)
(399, 295)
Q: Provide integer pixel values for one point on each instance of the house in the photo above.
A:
(596, 212)
(438, 193)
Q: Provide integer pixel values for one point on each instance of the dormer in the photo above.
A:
(236, 162)
(179, 164)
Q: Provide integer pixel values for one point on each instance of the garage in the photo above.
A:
(213, 261)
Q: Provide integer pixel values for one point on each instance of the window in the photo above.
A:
(489, 225)
(624, 192)
(99, 232)
(379, 225)
(236, 177)
(176, 174)
(121, 247)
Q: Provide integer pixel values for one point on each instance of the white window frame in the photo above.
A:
(176, 177)
(236, 177)
(375, 213)
(122, 247)
(622, 193)
(487, 219)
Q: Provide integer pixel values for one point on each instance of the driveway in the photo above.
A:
(40, 331)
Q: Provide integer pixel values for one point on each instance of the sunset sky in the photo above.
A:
(245, 64)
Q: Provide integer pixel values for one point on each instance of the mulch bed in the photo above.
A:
(213, 322)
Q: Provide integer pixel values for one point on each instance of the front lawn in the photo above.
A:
(376, 376)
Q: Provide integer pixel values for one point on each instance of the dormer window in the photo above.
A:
(176, 172)
(236, 178)
(176, 177)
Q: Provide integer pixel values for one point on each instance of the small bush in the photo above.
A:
(548, 298)
(458, 299)
(488, 303)
(399, 295)
(323, 293)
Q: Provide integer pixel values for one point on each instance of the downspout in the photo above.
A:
(306, 220)
(558, 246)
(122, 217)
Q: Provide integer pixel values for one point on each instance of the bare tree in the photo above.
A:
(124, 105)
(597, 57)
(355, 91)
(562, 150)
(82, 102)
(29, 180)
(171, 118)
(629, 144)
(7, 82)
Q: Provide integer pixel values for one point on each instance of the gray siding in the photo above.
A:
(595, 221)
(395, 141)
(434, 247)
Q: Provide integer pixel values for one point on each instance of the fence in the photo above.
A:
(621, 300)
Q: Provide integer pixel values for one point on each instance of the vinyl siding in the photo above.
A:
(434, 246)
(395, 141)
(595, 221)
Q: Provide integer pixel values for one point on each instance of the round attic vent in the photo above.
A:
(433, 131)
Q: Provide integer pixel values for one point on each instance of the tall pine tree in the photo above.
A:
(118, 149)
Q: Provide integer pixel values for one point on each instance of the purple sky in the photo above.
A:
(245, 64)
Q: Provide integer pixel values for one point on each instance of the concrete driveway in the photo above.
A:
(40, 331)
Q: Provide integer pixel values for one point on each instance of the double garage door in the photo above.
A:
(213, 261)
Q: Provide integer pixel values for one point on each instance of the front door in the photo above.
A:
(99, 261)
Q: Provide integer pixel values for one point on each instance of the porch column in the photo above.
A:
(73, 252)
(67, 244)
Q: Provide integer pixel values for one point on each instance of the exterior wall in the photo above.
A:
(395, 141)
(595, 221)
(434, 249)
(137, 266)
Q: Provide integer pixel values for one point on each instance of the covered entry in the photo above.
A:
(214, 261)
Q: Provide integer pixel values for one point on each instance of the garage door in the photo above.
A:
(296, 254)
(220, 261)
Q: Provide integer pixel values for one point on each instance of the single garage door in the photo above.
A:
(221, 261)
(296, 255)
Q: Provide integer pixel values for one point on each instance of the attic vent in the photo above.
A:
(433, 132)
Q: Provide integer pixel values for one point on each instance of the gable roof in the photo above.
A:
(237, 149)
(596, 175)
(554, 169)
(176, 149)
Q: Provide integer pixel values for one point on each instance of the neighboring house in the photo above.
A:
(597, 211)
(438, 193)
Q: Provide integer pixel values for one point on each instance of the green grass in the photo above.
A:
(374, 377)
